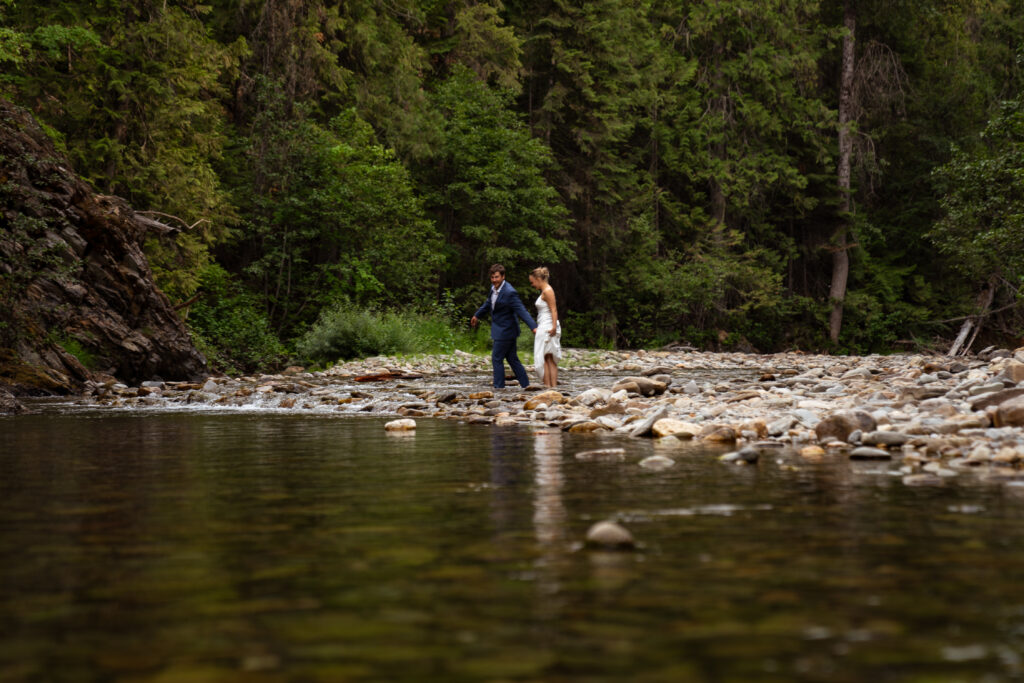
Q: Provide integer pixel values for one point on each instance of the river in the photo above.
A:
(219, 545)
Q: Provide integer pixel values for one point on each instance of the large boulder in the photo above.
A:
(82, 302)
(838, 426)
(1010, 413)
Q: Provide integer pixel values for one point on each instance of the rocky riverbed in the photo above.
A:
(932, 417)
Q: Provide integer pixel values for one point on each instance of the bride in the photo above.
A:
(547, 345)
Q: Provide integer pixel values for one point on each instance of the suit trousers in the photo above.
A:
(505, 349)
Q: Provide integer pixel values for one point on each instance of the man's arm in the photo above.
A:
(481, 312)
(521, 311)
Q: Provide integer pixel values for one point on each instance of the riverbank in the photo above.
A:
(933, 416)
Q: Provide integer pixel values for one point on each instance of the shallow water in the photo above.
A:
(170, 546)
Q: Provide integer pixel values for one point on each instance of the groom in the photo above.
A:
(504, 305)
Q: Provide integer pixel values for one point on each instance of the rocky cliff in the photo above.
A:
(77, 297)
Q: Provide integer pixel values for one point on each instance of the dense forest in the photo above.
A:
(841, 175)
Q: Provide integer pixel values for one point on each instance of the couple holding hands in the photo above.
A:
(506, 309)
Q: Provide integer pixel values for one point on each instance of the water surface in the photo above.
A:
(171, 546)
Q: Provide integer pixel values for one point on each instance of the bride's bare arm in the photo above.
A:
(549, 297)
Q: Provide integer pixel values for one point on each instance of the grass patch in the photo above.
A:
(82, 354)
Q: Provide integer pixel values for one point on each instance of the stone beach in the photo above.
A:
(932, 417)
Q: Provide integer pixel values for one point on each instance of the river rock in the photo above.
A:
(996, 398)
(839, 425)
(585, 427)
(1014, 371)
(806, 417)
(888, 439)
(668, 426)
(643, 385)
(657, 462)
(545, 397)
(780, 426)
(9, 405)
(812, 451)
(613, 408)
(1010, 413)
(592, 396)
(402, 425)
(717, 433)
(645, 425)
(869, 453)
(610, 535)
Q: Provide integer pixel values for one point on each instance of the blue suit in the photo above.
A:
(505, 314)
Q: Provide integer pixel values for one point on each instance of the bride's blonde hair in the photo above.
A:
(541, 273)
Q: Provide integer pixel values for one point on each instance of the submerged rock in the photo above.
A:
(610, 535)
(657, 462)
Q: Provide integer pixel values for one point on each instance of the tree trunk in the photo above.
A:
(982, 305)
(841, 255)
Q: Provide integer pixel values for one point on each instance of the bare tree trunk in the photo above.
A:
(974, 321)
(841, 255)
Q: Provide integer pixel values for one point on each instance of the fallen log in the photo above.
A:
(386, 376)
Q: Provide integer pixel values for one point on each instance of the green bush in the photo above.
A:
(230, 328)
(348, 331)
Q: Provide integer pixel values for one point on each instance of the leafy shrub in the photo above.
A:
(229, 327)
(349, 331)
(346, 331)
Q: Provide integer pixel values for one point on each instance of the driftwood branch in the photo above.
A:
(974, 315)
(974, 321)
(143, 217)
(186, 304)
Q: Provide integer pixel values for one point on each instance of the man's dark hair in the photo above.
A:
(496, 268)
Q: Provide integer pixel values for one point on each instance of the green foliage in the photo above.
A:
(333, 216)
(14, 44)
(135, 95)
(486, 184)
(982, 192)
(347, 331)
(229, 326)
(80, 352)
(674, 163)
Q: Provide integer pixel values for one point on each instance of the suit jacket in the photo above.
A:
(508, 306)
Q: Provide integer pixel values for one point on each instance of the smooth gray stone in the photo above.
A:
(779, 427)
(869, 453)
(806, 417)
(985, 388)
(885, 438)
(644, 428)
(609, 534)
(657, 462)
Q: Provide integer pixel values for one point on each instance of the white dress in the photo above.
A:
(545, 343)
